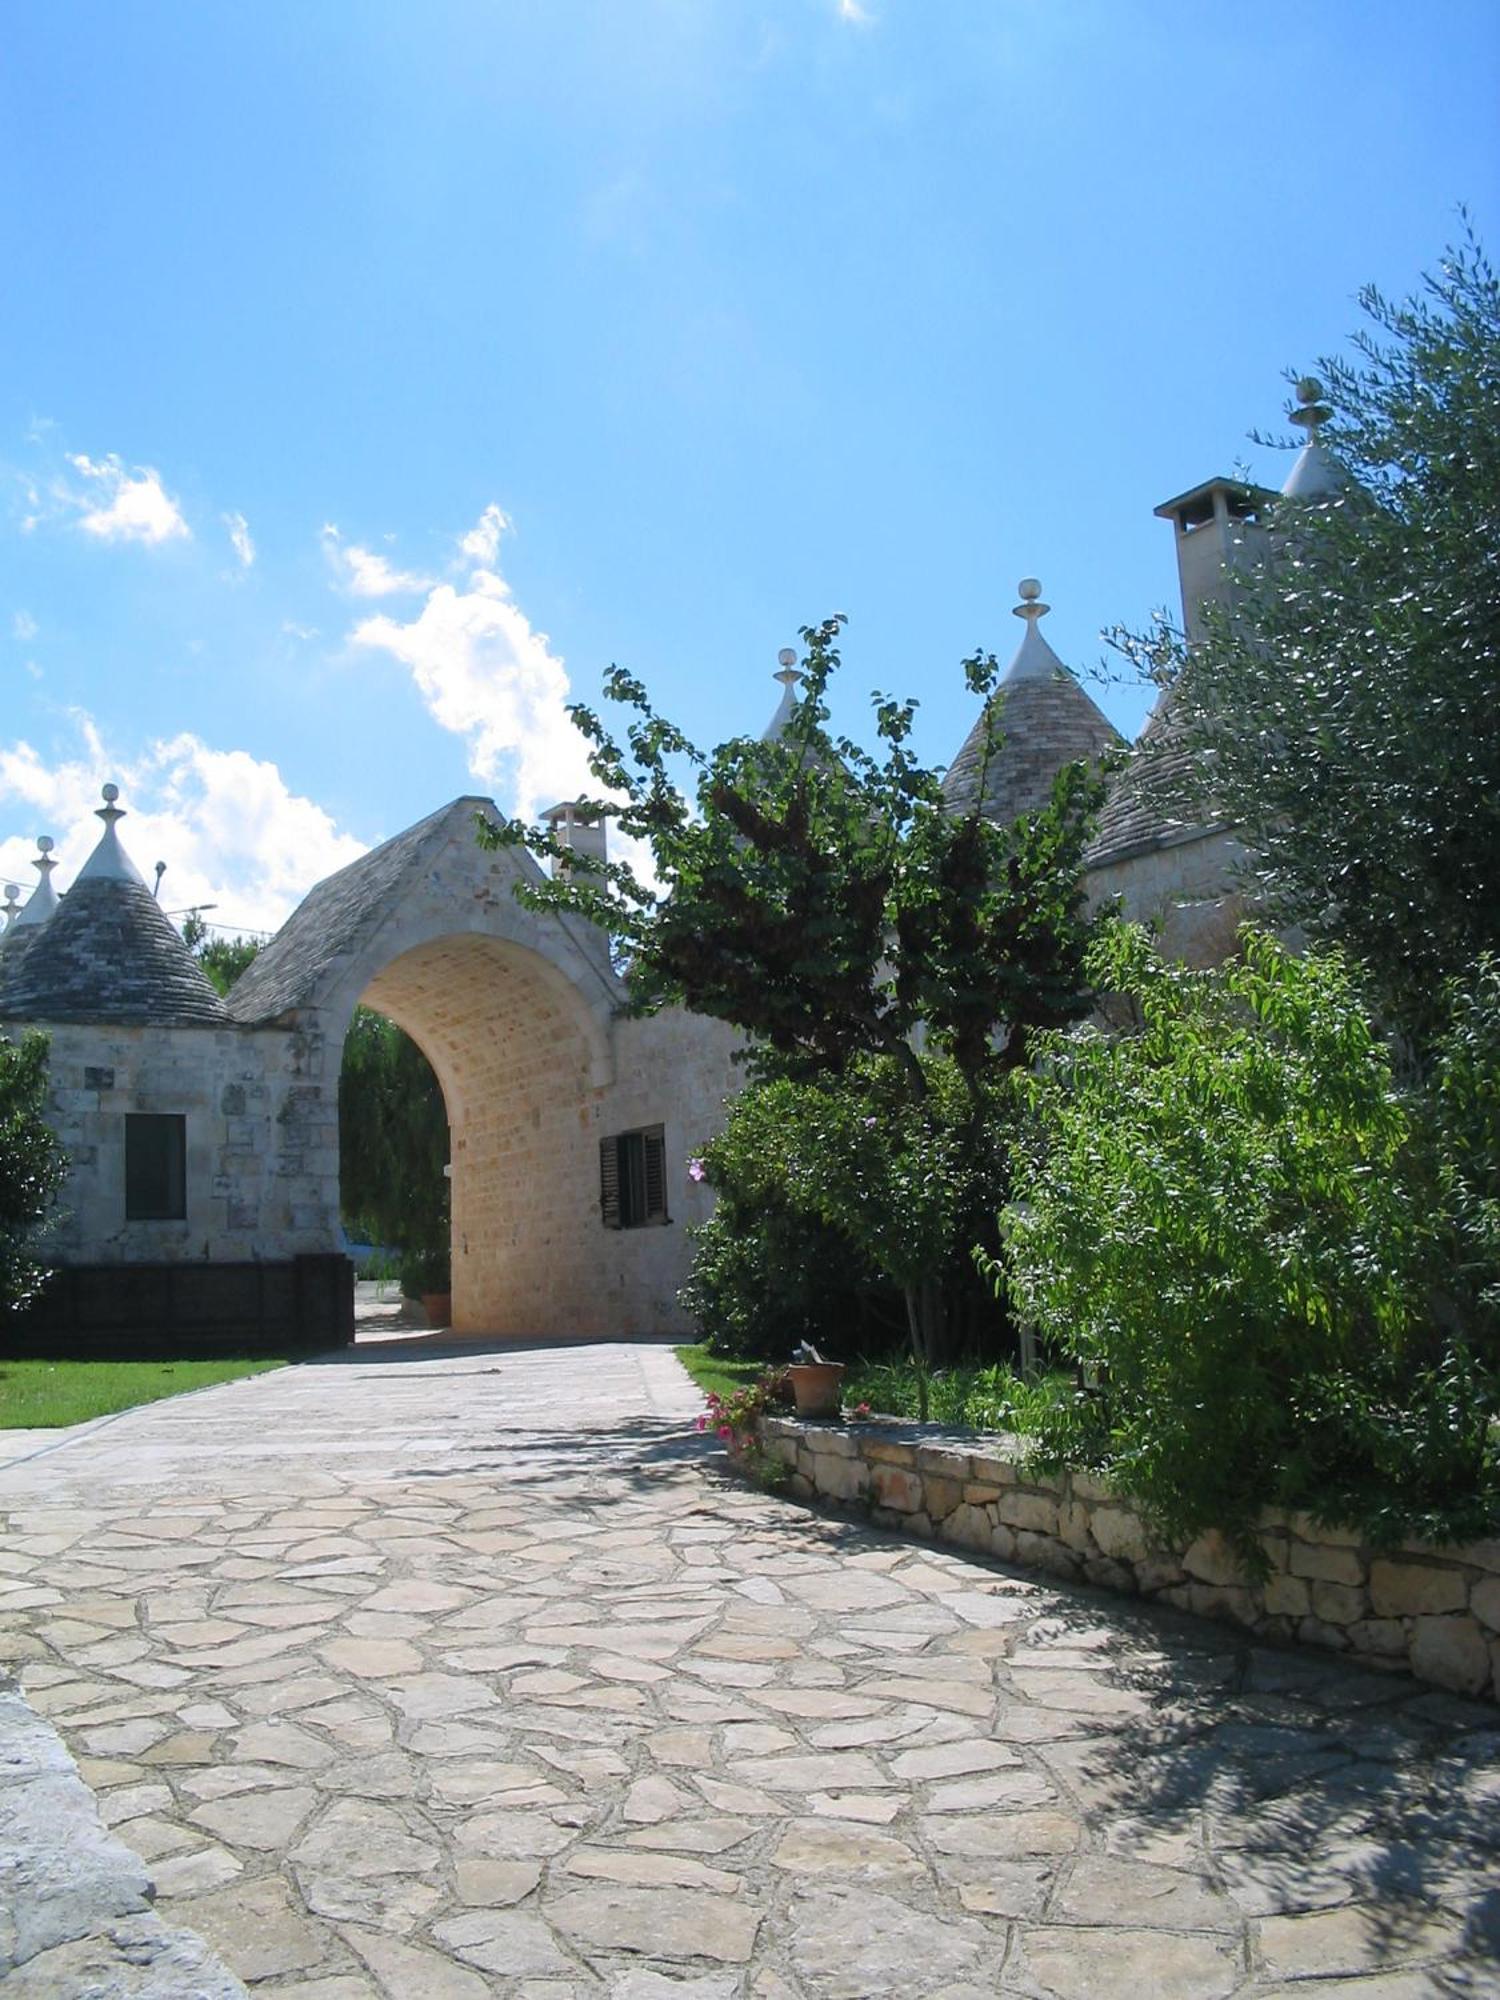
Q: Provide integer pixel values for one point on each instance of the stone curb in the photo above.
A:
(75, 1903)
(1430, 1612)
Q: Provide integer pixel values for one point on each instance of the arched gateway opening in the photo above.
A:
(548, 1086)
(520, 1072)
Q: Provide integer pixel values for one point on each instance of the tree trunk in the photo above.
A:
(927, 1323)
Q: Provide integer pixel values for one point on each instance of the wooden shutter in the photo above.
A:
(656, 1174)
(609, 1182)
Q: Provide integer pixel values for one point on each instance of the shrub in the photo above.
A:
(841, 1200)
(1230, 1226)
(33, 1167)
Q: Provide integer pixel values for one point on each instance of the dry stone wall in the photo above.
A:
(1432, 1612)
(261, 1117)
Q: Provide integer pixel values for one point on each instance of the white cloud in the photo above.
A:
(228, 827)
(239, 538)
(487, 676)
(851, 10)
(125, 506)
(363, 573)
(482, 543)
(24, 626)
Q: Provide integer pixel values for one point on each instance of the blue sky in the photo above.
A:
(372, 375)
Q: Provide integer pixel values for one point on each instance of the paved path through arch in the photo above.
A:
(434, 1673)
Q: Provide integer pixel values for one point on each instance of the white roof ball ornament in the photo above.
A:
(10, 909)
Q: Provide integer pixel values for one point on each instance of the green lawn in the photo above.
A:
(714, 1372)
(44, 1395)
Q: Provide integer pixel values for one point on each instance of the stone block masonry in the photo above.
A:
(1430, 1612)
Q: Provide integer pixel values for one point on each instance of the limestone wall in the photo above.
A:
(1185, 890)
(1431, 1612)
(262, 1141)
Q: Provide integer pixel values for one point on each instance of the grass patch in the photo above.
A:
(45, 1395)
(981, 1399)
(716, 1373)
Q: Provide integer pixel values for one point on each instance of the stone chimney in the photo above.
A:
(583, 832)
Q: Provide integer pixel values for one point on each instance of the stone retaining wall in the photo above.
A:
(1431, 1612)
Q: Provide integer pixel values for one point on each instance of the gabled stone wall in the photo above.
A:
(1432, 1612)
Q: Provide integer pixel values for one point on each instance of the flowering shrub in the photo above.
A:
(734, 1420)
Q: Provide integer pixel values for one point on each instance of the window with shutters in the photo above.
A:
(633, 1179)
(155, 1167)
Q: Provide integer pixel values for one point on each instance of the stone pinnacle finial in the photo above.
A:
(788, 672)
(43, 900)
(11, 908)
(1314, 410)
(1031, 607)
(109, 862)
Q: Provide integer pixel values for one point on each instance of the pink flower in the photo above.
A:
(861, 1410)
(726, 1432)
(871, 1123)
(697, 1171)
(703, 1423)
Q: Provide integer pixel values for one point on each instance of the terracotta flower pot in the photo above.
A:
(438, 1307)
(817, 1385)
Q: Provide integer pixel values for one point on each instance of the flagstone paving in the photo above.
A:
(436, 1673)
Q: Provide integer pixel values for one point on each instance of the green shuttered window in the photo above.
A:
(155, 1167)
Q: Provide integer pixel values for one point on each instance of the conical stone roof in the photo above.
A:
(1045, 720)
(108, 954)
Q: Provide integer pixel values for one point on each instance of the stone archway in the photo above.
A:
(524, 1073)
(521, 1015)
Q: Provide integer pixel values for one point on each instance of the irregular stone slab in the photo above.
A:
(649, 1869)
(1354, 1939)
(1003, 1837)
(1105, 1964)
(496, 1884)
(513, 1836)
(794, 1773)
(658, 1923)
(842, 1847)
(954, 1760)
(512, 1943)
(263, 1820)
(372, 1659)
(407, 1972)
(388, 1903)
(857, 1944)
(1103, 1890)
(257, 1928)
(645, 1985)
(358, 1838)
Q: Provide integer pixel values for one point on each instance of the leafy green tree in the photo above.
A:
(222, 958)
(393, 1146)
(1233, 1226)
(826, 902)
(33, 1167)
(1341, 712)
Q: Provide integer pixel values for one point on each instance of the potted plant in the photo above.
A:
(817, 1384)
(427, 1275)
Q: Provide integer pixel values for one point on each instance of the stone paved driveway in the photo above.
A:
(436, 1674)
